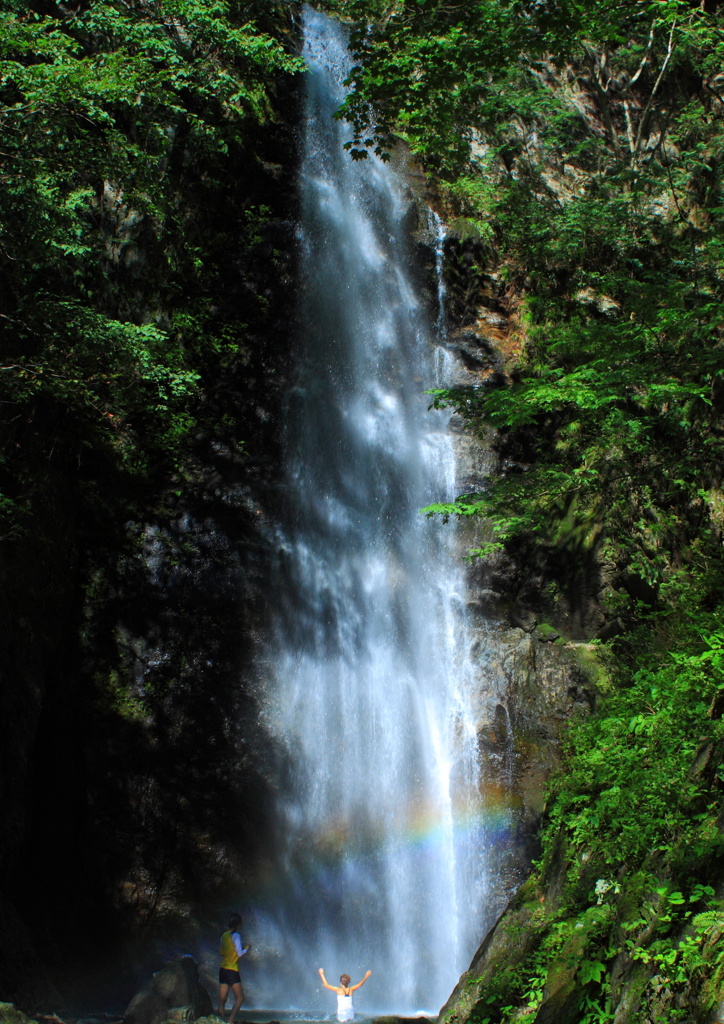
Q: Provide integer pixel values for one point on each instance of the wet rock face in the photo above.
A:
(39, 606)
(546, 686)
(507, 944)
(477, 296)
(529, 688)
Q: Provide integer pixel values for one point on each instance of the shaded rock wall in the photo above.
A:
(133, 779)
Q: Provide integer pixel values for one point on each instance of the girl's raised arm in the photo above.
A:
(353, 988)
(326, 983)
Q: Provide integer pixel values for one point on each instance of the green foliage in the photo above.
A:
(108, 115)
(633, 792)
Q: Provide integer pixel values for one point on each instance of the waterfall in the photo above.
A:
(380, 861)
(439, 229)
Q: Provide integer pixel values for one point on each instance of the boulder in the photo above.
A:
(9, 1014)
(173, 993)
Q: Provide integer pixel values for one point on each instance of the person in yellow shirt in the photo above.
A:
(231, 950)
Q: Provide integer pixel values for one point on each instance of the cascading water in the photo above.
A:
(381, 863)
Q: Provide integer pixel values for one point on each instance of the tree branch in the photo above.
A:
(643, 63)
(644, 116)
(629, 127)
(602, 100)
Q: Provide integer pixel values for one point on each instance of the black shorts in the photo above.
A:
(227, 977)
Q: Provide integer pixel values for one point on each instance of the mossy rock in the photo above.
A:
(590, 661)
(544, 631)
(397, 1020)
(400, 1020)
(184, 1014)
(9, 1014)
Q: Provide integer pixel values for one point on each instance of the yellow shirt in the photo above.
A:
(229, 954)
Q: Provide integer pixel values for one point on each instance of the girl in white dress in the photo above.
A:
(345, 1009)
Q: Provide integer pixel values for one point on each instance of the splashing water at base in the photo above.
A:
(381, 856)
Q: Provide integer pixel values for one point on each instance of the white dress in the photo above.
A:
(345, 1009)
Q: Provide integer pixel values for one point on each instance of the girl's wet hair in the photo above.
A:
(234, 921)
(345, 979)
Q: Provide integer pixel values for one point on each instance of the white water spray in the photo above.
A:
(381, 863)
(439, 229)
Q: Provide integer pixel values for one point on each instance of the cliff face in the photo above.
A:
(596, 931)
(535, 616)
(133, 783)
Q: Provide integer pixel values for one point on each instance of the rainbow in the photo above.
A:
(491, 823)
